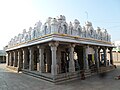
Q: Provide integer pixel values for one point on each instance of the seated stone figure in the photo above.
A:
(77, 30)
(105, 34)
(19, 38)
(46, 29)
(89, 29)
(62, 25)
(37, 28)
(35, 32)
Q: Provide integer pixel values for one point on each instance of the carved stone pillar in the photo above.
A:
(41, 59)
(111, 56)
(24, 50)
(105, 56)
(71, 62)
(54, 66)
(99, 56)
(7, 59)
(10, 58)
(15, 59)
(85, 56)
(96, 57)
(31, 57)
(19, 60)
(59, 59)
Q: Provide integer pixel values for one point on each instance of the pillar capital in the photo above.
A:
(110, 48)
(30, 48)
(24, 49)
(19, 50)
(72, 45)
(96, 47)
(86, 46)
(53, 44)
(104, 48)
(40, 47)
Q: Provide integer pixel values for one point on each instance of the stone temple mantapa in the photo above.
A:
(57, 51)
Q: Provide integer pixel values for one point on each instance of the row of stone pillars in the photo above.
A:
(97, 56)
(17, 58)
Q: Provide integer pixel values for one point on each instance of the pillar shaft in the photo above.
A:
(10, 59)
(19, 60)
(54, 61)
(85, 56)
(111, 56)
(96, 57)
(41, 59)
(54, 67)
(105, 56)
(15, 59)
(71, 62)
(24, 58)
(7, 59)
(31, 57)
(99, 56)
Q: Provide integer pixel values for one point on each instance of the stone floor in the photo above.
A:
(10, 80)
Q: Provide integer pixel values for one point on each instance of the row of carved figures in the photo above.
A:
(59, 25)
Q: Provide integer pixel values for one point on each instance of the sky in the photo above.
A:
(16, 15)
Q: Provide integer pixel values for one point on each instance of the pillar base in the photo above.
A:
(54, 69)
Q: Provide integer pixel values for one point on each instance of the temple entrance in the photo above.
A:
(64, 62)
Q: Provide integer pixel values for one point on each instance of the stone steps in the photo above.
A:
(65, 77)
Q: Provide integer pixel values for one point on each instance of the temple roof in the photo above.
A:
(58, 29)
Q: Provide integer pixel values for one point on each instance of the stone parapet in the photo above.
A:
(60, 26)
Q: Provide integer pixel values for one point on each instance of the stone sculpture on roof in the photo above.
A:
(62, 25)
(59, 25)
(77, 30)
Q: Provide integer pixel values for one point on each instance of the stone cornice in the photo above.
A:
(62, 38)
